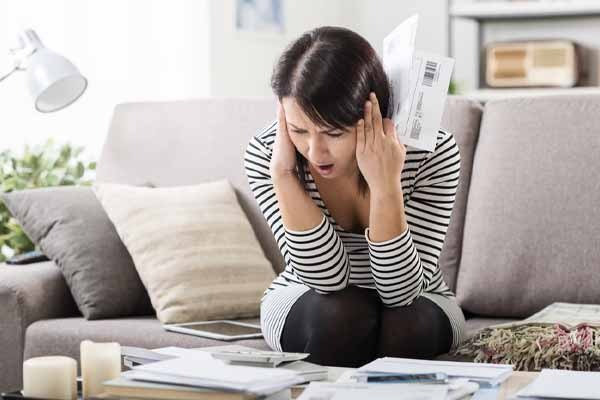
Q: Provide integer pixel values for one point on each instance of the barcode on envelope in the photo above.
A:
(430, 71)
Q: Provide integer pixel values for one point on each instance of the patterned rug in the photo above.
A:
(535, 346)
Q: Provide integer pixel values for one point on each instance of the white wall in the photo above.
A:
(137, 50)
(128, 50)
(374, 19)
(242, 62)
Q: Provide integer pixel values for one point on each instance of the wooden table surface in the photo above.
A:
(514, 383)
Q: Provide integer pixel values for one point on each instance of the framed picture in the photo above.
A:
(261, 17)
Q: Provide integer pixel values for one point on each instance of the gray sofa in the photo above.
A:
(521, 161)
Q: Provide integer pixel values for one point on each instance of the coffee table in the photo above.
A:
(513, 384)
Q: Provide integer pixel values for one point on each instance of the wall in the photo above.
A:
(242, 62)
(376, 18)
(128, 50)
(137, 50)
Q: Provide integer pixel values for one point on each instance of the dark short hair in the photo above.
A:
(330, 71)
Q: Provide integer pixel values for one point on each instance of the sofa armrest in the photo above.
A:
(28, 293)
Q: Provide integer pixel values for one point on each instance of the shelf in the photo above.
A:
(525, 9)
(495, 94)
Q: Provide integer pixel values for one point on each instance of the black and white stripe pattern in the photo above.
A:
(326, 258)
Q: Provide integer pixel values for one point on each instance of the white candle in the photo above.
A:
(53, 377)
(100, 362)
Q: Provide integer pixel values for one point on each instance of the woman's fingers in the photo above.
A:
(361, 141)
(281, 117)
(376, 115)
(369, 123)
(390, 129)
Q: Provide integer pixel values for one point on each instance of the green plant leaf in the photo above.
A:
(42, 165)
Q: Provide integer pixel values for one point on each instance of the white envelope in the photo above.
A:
(418, 86)
(398, 48)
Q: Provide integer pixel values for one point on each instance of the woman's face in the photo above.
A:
(330, 152)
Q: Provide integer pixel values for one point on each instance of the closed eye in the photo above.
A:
(332, 134)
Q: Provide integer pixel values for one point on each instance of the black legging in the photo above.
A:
(352, 327)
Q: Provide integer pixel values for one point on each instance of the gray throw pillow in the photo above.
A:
(70, 226)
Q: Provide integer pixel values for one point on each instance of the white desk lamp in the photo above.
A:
(53, 81)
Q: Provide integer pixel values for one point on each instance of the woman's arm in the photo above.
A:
(405, 239)
(306, 239)
(298, 211)
(387, 218)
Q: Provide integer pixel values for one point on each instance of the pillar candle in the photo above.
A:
(53, 377)
(100, 362)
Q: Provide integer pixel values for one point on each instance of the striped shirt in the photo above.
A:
(327, 258)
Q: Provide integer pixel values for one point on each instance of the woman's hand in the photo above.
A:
(379, 153)
(283, 159)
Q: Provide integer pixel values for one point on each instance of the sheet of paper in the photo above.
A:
(562, 384)
(201, 365)
(486, 394)
(363, 391)
(569, 314)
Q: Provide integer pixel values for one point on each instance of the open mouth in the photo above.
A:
(325, 168)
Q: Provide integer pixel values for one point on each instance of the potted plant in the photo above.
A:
(49, 164)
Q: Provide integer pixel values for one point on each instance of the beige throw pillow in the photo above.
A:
(193, 248)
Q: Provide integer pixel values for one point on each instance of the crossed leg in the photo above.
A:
(351, 327)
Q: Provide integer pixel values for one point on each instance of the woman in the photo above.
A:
(360, 219)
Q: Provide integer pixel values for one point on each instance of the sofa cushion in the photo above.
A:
(193, 247)
(71, 228)
(531, 228)
(461, 117)
(196, 141)
(63, 336)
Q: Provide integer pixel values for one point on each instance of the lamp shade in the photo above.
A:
(53, 81)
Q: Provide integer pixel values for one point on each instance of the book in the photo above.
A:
(124, 387)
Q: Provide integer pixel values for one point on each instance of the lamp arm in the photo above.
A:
(9, 74)
(19, 54)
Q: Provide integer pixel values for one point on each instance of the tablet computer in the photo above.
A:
(221, 329)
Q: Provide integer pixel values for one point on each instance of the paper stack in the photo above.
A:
(484, 374)
(457, 388)
(135, 356)
(127, 388)
(200, 369)
(178, 373)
